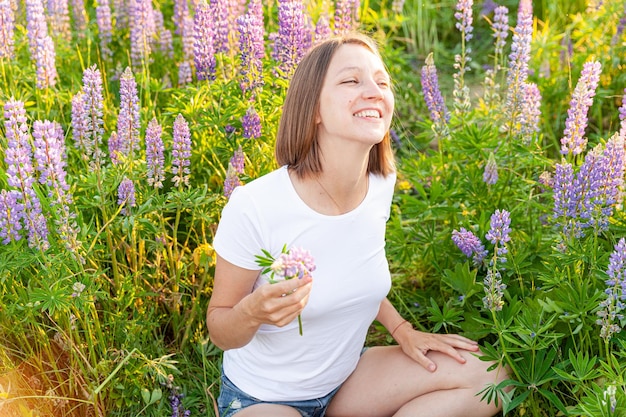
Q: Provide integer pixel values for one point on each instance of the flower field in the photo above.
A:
(127, 123)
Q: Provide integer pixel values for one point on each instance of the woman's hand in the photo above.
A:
(417, 344)
(277, 304)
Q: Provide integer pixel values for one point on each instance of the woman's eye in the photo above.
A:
(350, 82)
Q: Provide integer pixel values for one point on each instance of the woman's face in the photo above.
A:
(356, 101)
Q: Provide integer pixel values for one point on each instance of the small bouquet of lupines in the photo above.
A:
(293, 263)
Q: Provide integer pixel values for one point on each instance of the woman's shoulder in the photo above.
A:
(266, 185)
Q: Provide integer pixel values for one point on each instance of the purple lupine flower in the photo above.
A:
(45, 60)
(181, 12)
(18, 159)
(79, 15)
(464, 18)
(120, 11)
(185, 73)
(79, 123)
(175, 397)
(231, 181)
(346, 12)
(494, 290)
(126, 195)
(599, 183)
(163, 34)
(224, 16)
(518, 63)
(294, 263)
(35, 24)
(237, 161)
(251, 52)
(203, 49)
(322, 29)
(166, 43)
(622, 115)
(490, 175)
(498, 235)
(564, 197)
(114, 148)
(488, 7)
(251, 124)
(611, 309)
(499, 232)
(59, 18)
(573, 140)
(142, 31)
(292, 39)
(51, 161)
(105, 28)
(93, 113)
(50, 157)
(255, 9)
(181, 152)
(154, 154)
(128, 121)
(432, 93)
(7, 28)
(500, 28)
(470, 245)
(11, 215)
(530, 110)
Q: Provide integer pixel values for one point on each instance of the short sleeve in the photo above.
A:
(238, 236)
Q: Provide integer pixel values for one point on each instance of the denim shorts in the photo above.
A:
(232, 399)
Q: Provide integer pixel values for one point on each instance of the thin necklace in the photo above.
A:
(330, 195)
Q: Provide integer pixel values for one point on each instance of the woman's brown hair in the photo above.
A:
(296, 140)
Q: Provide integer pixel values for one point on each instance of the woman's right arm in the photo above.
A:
(235, 312)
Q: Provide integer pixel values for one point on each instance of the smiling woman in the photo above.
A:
(331, 195)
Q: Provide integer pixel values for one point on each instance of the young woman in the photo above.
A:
(330, 196)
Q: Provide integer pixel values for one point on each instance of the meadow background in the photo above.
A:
(126, 124)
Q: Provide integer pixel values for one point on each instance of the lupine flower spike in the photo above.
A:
(251, 122)
(498, 235)
(105, 28)
(126, 196)
(7, 21)
(611, 309)
(574, 141)
(292, 40)
(518, 65)
(470, 245)
(154, 154)
(20, 173)
(490, 175)
(203, 48)
(432, 94)
(181, 152)
(128, 121)
(464, 23)
(51, 160)
(251, 51)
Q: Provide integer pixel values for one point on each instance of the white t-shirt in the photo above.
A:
(350, 281)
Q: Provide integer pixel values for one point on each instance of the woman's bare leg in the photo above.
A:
(388, 383)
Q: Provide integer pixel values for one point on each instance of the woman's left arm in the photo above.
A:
(417, 344)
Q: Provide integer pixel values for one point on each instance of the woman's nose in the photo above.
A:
(373, 90)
